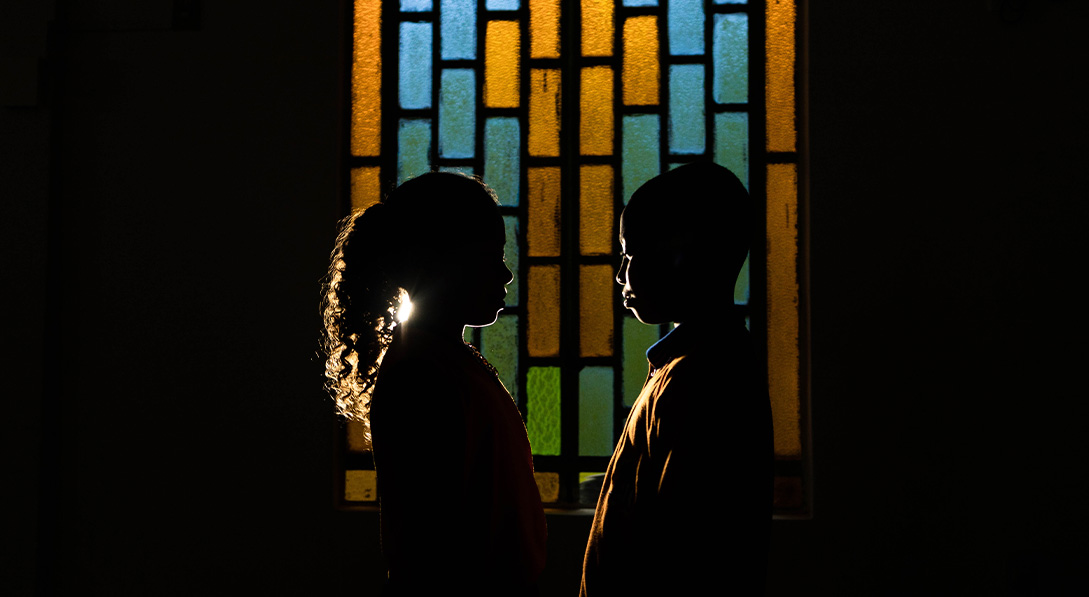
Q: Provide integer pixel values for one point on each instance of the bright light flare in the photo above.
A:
(405, 310)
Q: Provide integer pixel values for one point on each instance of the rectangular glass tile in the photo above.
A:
(357, 438)
(544, 28)
(543, 410)
(782, 280)
(685, 18)
(732, 143)
(544, 112)
(596, 210)
(596, 111)
(640, 160)
(596, 411)
(360, 486)
(466, 170)
(499, 344)
(501, 79)
(413, 148)
(543, 311)
(597, 27)
(779, 88)
(457, 114)
(548, 485)
(511, 253)
(502, 4)
(501, 158)
(415, 5)
(686, 111)
(596, 290)
(457, 29)
(741, 286)
(731, 1)
(366, 187)
(641, 75)
(367, 80)
(730, 47)
(543, 202)
(640, 2)
(414, 73)
(638, 337)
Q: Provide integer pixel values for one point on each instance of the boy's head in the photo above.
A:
(683, 236)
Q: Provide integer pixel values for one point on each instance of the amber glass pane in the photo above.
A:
(501, 64)
(780, 76)
(641, 74)
(543, 311)
(360, 486)
(366, 187)
(548, 484)
(543, 410)
(597, 27)
(544, 112)
(357, 440)
(782, 279)
(596, 111)
(544, 28)
(543, 199)
(367, 79)
(596, 210)
(596, 289)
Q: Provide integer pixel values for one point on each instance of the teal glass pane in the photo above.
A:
(510, 251)
(638, 337)
(414, 73)
(457, 116)
(543, 410)
(457, 29)
(501, 4)
(741, 287)
(596, 411)
(640, 160)
(731, 1)
(685, 18)
(732, 143)
(466, 170)
(501, 138)
(499, 344)
(686, 113)
(415, 5)
(640, 2)
(413, 148)
(730, 46)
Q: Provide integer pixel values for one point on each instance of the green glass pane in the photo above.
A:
(637, 339)
(501, 164)
(457, 119)
(640, 153)
(596, 411)
(543, 410)
(414, 147)
(741, 287)
(732, 143)
(730, 46)
(510, 251)
(499, 344)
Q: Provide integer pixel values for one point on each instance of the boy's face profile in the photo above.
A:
(650, 274)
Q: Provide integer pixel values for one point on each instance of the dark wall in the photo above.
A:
(169, 199)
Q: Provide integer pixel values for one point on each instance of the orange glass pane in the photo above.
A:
(543, 202)
(501, 44)
(782, 280)
(544, 28)
(548, 485)
(596, 287)
(780, 76)
(543, 311)
(596, 111)
(366, 187)
(544, 112)
(597, 27)
(596, 210)
(641, 75)
(367, 79)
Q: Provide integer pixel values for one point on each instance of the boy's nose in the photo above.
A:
(621, 272)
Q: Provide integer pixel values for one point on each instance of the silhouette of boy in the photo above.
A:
(686, 503)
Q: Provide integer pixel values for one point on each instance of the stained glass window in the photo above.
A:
(565, 107)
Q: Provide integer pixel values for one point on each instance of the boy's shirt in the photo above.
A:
(686, 502)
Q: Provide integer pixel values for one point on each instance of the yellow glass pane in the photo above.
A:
(596, 111)
(543, 202)
(360, 486)
(596, 210)
(596, 288)
(597, 27)
(782, 280)
(543, 311)
(501, 44)
(544, 28)
(780, 75)
(548, 484)
(367, 79)
(641, 74)
(366, 187)
(544, 112)
(357, 439)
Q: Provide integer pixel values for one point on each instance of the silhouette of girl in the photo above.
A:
(459, 506)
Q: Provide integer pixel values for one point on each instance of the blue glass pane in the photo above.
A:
(501, 4)
(510, 252)
(501, 137)
(414, 76)
(686, 115)
(466, 170)
(640, 2)
(415, 5)
(457, 29)
(640, 139)
(731, 1)
(732, 143)
(457, 114)
(637, 339)
(596, 411)
(499, 344)
(730, 45)
(413, 148)
(685, 19)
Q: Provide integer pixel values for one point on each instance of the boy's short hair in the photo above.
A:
(701, 209)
